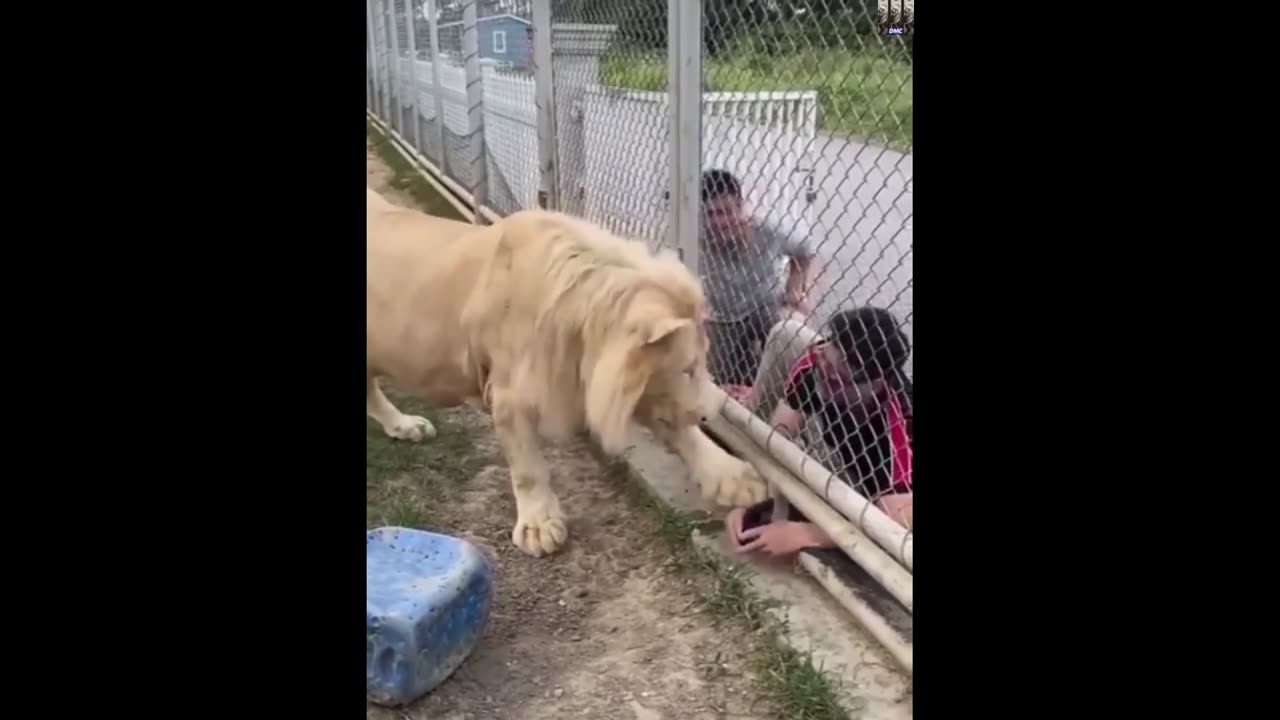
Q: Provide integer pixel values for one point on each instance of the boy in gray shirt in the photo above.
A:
(739, 266)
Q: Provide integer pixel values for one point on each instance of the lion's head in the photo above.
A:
(600, 329)
(652, 367)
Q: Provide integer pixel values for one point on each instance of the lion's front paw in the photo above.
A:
(540, 534)
(411, 428)
(732, 483)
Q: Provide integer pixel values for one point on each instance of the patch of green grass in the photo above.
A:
(398, 509)
(404, 481)
(733, 597)
(783, 674)
(801, 689)
(643, 72)
(406, 178)
(863, 95)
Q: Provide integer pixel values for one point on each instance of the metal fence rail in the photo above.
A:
(769, 142)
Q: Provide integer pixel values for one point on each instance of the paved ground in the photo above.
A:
(862, 222)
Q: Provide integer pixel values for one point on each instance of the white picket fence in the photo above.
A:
(761, 137)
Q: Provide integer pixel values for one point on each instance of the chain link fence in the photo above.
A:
(807, 238)
(769, 141)
(614, 149)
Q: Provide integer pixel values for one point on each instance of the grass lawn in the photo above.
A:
(404, 481)
(865, 96)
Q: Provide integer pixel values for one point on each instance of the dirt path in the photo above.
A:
(605, 629)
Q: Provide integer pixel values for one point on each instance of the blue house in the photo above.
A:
(503, 38)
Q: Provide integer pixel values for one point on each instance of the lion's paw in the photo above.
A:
(732, 483)
(412, 428)
(540, 535)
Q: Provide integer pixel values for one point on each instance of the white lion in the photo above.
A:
(555, 326)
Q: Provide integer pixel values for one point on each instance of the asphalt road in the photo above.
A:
(861, 222)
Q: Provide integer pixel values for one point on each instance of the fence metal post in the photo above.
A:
(395, 119)
(475, 108)
(413, 77)
(684, 64)
(368, 68)
(437, 88)
(373, 55)
(378, 79)
(544, 100)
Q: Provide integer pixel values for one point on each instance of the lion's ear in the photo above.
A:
(662, 328)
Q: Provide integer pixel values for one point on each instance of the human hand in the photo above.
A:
(733, 523)
(798, 300)
(898, 506)
(741, 393)
(780, 539)
(786, 421)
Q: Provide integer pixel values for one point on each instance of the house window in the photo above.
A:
(500, 42)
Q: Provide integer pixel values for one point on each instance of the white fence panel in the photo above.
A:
(511, 139)
(626, 168)
(762, 137)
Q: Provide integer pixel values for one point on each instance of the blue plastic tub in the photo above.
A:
(428, 597)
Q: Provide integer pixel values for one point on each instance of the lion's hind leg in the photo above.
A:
(395, 423)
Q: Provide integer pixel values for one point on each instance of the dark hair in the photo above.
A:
(716, 183)
(872, 335)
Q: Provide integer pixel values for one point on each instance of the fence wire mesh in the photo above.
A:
(613, 137)
(806, 155)
(427, 125)
(807, 249)
(510, 113)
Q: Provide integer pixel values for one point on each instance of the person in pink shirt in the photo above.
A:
(853, 386)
